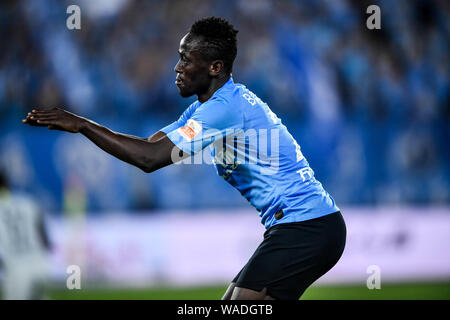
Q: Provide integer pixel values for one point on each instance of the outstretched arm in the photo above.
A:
(147, 154)
(156, 136)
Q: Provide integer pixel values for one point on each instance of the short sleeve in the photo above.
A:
(211, 121)
(181, 121)
(173, 126)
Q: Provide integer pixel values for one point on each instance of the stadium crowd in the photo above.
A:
(369, 107)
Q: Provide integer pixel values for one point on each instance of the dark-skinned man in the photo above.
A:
(251, 149)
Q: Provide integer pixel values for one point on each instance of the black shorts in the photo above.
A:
(294, 255)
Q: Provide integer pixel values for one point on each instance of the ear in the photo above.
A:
(215, 67)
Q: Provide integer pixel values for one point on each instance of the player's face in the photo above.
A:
(192, 69)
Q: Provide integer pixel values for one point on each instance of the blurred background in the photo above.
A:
(369, 109)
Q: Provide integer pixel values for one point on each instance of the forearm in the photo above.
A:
(146, 155)
(133, 150)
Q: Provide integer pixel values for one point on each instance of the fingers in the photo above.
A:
(44, 121)
(49, 124)
(30, 122)
(41, 115)
(39, 119)
(41, 112)
(44, 118)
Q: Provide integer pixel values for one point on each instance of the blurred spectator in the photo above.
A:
(24, 245)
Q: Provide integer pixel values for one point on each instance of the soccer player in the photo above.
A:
(24, 246)
(251, 149)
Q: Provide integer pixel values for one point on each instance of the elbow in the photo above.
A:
(147, 165)
(147, 168)
(153, 160)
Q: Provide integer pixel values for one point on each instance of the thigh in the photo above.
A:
(229, 291)
(249, 294)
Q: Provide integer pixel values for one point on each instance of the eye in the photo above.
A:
(183, 57)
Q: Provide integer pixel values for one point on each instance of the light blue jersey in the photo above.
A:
(254, 152)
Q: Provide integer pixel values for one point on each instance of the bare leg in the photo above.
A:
(248, 294)
(229, 292)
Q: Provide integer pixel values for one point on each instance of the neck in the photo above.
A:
(215, 85)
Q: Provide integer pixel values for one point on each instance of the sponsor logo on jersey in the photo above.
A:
(190, 130)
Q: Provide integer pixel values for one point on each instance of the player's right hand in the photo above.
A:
(54, 119)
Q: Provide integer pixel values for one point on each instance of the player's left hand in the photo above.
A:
(54, 119)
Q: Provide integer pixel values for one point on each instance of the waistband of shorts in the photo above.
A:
(289, 224)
